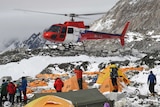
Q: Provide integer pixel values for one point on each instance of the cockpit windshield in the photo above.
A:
(54, 28)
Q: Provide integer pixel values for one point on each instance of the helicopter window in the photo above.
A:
(54, 36)
(70, 30)
(54, 28)
(64, 30)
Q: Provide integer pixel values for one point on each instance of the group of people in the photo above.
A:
(10, 91)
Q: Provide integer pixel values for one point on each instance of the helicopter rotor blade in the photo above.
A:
(70, 15)
(40, 12)
(89, 14)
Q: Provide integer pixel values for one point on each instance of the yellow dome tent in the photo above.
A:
(50, 101)
(106, 83)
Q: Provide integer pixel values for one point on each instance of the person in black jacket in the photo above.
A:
(114, 76)
(4, 91)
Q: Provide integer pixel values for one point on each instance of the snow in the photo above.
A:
(34, 65)
(134, 36)
(157, 37)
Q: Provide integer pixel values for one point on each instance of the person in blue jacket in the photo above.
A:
(152, 82)
(24, 89)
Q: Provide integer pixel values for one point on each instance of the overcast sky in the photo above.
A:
(15, 23)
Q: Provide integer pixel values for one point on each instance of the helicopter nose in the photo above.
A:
(49, 36)
(46, 35)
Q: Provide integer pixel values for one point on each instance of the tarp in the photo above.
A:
(81, 98)
(50, 101)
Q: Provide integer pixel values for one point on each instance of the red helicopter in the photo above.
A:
(75, 31)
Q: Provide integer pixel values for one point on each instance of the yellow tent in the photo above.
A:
(106, 74)
(50, 101)
(108, 87)
(103, 75)
(106, 83)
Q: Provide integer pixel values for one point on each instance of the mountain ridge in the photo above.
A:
(143, 16)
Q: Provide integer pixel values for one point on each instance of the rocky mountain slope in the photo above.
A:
(143, 16)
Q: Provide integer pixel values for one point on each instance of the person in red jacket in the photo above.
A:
(58, 84)
(11, 88)
(79, 72)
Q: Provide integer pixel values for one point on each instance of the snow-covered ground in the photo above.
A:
(33, 66)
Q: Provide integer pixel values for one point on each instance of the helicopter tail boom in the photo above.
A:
(93, 35)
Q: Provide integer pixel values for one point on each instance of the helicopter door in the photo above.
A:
(63, 33)
(71, 35)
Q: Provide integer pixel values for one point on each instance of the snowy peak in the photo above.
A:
(33, 42)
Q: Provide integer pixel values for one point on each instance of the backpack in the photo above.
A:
(114, 72)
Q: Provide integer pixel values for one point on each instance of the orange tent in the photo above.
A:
(91, 73)
(48, 91)
(37, 83)
(72, 84)
(131, 69)
(45, 76)
(50, 101)
(51, 76)
(29, 90)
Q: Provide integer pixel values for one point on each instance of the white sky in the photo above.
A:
(22, 24)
